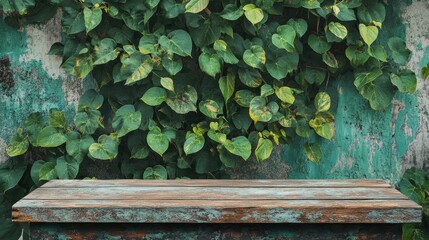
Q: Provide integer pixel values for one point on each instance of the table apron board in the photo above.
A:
(91, 231)
(216, 209)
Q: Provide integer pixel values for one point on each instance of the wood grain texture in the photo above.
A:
(220, 193)
(200, 211)
(352, 183)
(215, 231)
(204, 202)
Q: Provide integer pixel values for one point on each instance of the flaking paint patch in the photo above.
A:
(3, 155)
(416, 18)
(49, 34)
(39, 40)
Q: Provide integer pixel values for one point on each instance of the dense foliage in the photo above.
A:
(415, 185)
(189, 88)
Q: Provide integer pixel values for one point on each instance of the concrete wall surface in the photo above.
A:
(367, 144)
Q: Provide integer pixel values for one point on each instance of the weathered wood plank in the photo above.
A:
(371, 183)
(224, 193)
(298, 211)
(215, 231)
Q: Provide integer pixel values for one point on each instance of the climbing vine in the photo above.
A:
(189, 88)
(415, 185)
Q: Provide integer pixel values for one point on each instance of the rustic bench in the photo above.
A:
(216, 209)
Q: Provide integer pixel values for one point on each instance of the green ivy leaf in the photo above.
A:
(310, 4)
(51, 137)
(253, 13)
(11, 173)
(17, 6)
(264, 149)
(379, 93)
(322, 127)
(105, 51)
(239, 146)
(57, 118)
(148, 44)
(368, 33)
(210, 108)
(285, 94)
(194, 143)
(400, 53)
(280, 67)
(157, 141)
(90, 100)
(357, 56)
(284, 38)
(222, 48)
(330, 60)
(227, 86)
(105, 149)
(178, 42)
(33, 124)
(372, 11)
(318, 44)
(228, 159)
(343, 12)
(126, 120)
(255, 57)
(18, 145)
(259, 111)
(208, 32)
(77, 146)
(313, 152)
(167, 83)
(66, 168)
(300, 26)
(154, 96)
(244, 97)
(184, 102)
(196, 6)
(136, 67)
(92, 18)
(338, 29)
(322, 102)
(378, 52)
(210, 63)
(47, 172)
(365, 78)
(173, 65)
(412, 191)
(405, 81)
(231, 12)
(35, 170)
(250, 77)
(158, 172)
(87, 122)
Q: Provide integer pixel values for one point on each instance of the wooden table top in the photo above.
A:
(217, 201)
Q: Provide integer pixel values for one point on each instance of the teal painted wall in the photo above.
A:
(368, 144)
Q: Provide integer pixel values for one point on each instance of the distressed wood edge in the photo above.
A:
(333, 183)
(219, 215)
(217, 231)
(227, 204)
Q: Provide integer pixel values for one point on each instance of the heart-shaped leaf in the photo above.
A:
(105, 149)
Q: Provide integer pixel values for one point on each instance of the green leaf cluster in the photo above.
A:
(178, 82)
(190, 88)
(415, 185)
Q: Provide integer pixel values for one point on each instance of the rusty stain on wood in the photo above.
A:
(222, 201)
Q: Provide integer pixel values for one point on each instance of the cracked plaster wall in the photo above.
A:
(367, 144)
